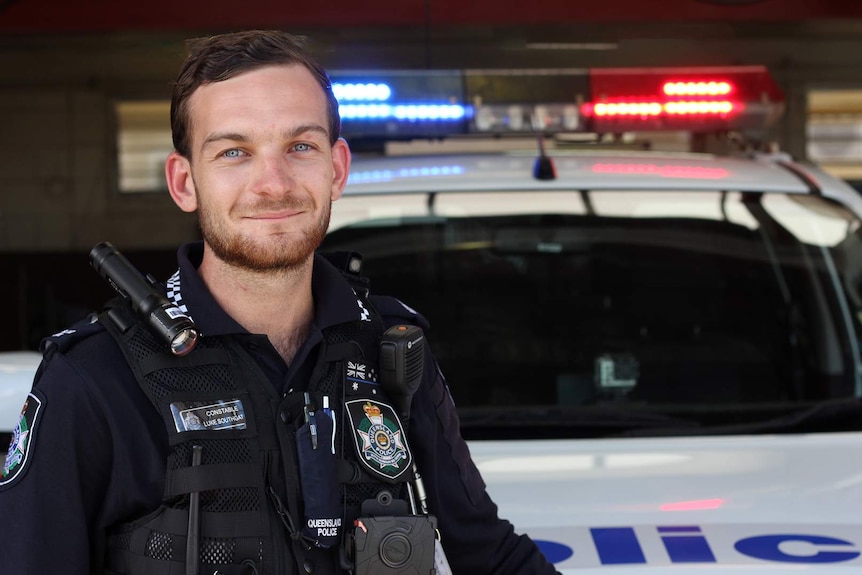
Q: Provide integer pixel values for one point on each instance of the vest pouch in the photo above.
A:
(318, 470)
(156, 545)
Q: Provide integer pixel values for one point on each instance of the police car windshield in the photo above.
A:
(594, 313)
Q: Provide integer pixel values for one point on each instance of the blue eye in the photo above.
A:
(302, 147)
(233, 153)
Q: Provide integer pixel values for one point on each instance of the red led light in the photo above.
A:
(710, 88)
(675, 108)
(704, 98)
(699, 107)
(628, 109)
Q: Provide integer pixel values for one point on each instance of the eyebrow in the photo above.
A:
(290, 134)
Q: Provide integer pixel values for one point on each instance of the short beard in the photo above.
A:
(281, 253)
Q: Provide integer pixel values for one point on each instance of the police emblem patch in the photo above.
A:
(379, 438)
(22, 441)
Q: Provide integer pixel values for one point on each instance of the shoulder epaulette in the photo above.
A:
(349, 263)
(64, 340)
(392, 307)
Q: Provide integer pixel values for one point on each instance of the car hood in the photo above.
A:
(17, 369)
(717, 505)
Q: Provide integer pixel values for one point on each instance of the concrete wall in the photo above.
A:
(57, 157)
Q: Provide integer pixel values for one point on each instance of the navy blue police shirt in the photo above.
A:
(90, 449)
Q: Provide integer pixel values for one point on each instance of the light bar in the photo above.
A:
(395, 104)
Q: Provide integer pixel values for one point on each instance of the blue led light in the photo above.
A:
(429, 112)
(370, 176)
(409, 112)
(365, 111)
(368, 92)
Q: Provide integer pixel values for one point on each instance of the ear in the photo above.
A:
(178, 172)
(341, 167)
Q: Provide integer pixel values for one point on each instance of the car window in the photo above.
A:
(588, 314)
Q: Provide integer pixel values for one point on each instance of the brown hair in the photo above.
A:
(218, 58)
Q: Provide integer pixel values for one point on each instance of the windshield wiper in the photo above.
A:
(587, 422)
(825, 416)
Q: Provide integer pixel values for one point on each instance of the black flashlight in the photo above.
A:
(165, 318)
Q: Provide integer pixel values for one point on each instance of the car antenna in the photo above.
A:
(544, 167)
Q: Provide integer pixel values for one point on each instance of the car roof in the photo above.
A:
(594, 170)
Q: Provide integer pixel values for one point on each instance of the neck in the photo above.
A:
(277, 304)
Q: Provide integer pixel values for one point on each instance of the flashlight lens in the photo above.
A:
(184, 341)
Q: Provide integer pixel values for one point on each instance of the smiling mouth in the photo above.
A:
(281, 215)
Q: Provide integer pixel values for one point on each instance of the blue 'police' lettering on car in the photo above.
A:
(767, 547)
(686, 544)
(617, 545)
(553, 551)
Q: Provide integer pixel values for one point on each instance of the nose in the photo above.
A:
(272, 175)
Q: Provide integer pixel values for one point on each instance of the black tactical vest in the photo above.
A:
(244, 470)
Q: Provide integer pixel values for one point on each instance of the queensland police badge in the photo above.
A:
(379, 438)
(22, 441)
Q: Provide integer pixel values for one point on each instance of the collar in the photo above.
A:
(334, 300)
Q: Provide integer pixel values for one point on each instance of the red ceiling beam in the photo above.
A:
(55, 16)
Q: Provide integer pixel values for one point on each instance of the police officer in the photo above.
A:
(231, 459)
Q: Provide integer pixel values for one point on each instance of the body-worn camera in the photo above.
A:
(388, 540)
(389, 545)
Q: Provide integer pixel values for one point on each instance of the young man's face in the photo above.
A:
(262, 173)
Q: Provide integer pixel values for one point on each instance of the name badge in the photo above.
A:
(208, 415)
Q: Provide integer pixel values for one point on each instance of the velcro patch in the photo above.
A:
(23, 439)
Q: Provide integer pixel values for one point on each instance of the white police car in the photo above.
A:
(655, 356)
